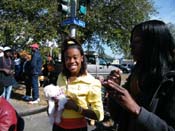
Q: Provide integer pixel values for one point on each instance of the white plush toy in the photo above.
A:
(51, 91)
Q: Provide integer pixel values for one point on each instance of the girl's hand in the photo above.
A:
(71, 105)
(122, 96)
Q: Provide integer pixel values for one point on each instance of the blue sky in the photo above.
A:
(166, 10)
(166, 13)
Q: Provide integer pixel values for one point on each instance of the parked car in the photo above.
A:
(130, 66)
(123, 68)
(97, 65)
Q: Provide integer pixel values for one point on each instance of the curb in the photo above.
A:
(34, 111)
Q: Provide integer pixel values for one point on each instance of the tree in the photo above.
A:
(112, 20)
(34, 18)
(172, 29)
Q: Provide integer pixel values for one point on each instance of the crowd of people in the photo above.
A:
(145, 102)
(15, 65)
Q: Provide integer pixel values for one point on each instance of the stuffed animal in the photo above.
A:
(53, 93)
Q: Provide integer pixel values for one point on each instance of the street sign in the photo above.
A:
(79, 23)
(73, 21)
(67, 22)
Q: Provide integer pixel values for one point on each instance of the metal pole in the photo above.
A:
(73, 15)
(73, 8)
(72, 31)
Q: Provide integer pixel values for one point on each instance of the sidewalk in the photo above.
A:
(25, 110)
(23, 107)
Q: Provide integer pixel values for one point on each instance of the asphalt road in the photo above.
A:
(37, 122)
(40, 122)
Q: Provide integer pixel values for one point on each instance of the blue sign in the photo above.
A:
(67, 22)
(79, 23)
(73, 21)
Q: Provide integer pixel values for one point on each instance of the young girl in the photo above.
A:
(82, 89)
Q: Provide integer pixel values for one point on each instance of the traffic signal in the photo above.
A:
(83, 10)
(82, 7)
(65, 6)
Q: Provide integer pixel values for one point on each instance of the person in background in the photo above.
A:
(146, 101)
(7, 72)
(101, 78)
(1, 51)
(8, 118)
(49, 71)
(82, 89)
(17, 63)
(26, 73)
(36, 69)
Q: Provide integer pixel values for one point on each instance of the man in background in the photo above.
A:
(36, 67)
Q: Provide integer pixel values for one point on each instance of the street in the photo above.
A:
(40, 122)
(37, 122)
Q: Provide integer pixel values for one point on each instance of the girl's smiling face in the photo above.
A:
(73, 60)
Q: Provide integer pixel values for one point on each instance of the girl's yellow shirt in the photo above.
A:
(86, 91)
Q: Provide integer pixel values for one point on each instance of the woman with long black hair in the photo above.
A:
(147, 101)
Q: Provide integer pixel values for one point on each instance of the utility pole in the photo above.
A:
(73, 15)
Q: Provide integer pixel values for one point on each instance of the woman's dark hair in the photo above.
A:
(72, 43)
(158, 47)
(17, 53)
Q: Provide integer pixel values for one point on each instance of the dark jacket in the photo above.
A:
(157, 109)
(27, 68)
(7, 79)
(36, 63)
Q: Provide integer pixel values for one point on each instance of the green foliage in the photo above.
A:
(172, 29)
(112, 20)
(36, 18)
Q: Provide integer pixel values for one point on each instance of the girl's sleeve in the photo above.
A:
(94, 98)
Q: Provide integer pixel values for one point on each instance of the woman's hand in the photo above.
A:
(114, 75)
(122, 96)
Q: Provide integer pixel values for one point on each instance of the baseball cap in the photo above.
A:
(35, 45)
(7, 48)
